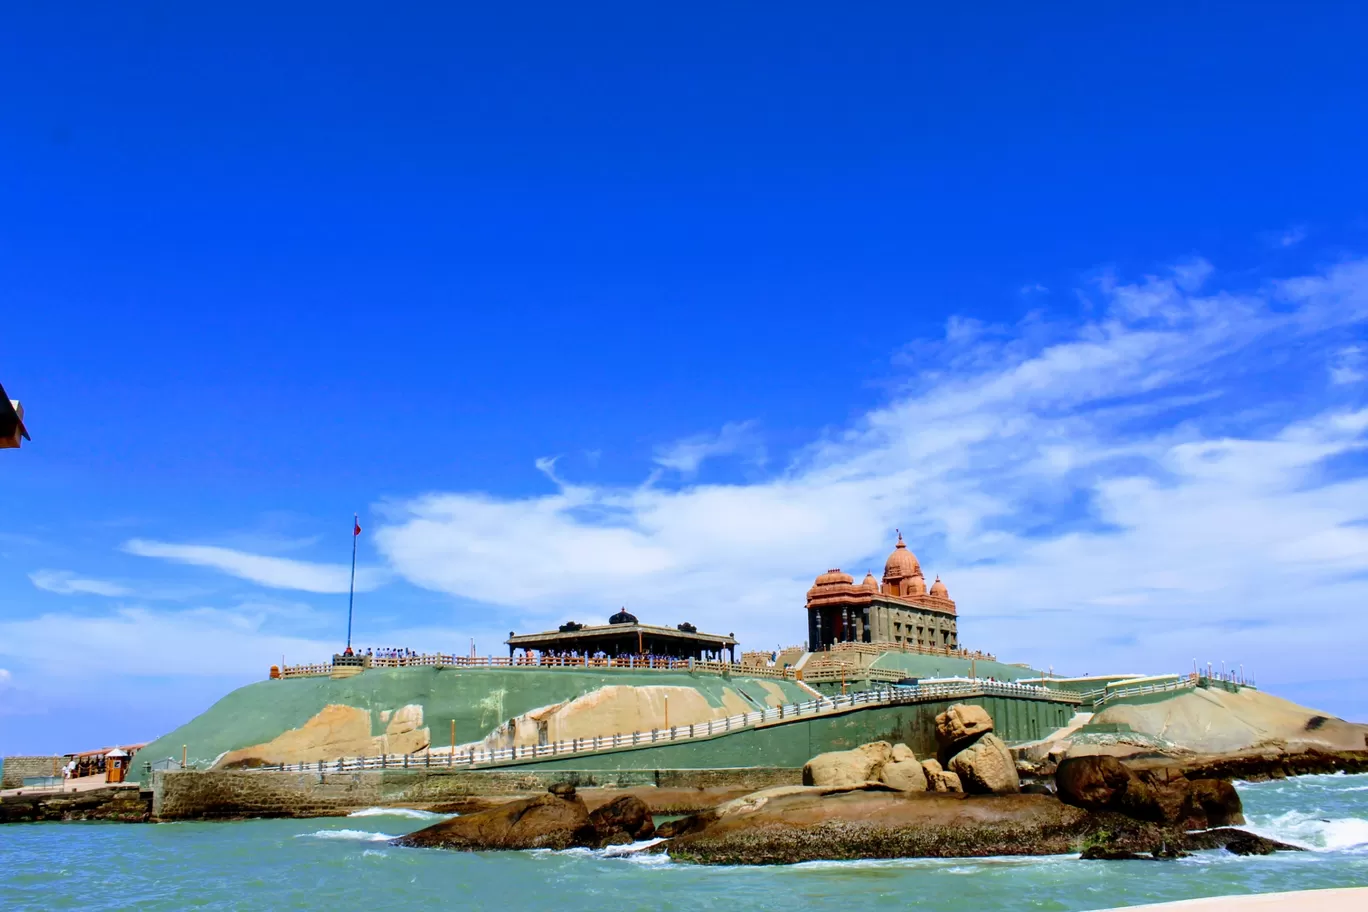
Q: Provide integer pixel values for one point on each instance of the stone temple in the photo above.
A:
(900, 610)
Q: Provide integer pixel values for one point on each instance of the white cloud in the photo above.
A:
(685, 456)
(273, 572)
(64, 582)
(1292, 236)
(1119, 489)
(1348, 366)
(137, 641)
(5, 678)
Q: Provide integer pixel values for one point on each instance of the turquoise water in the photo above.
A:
(344, 864)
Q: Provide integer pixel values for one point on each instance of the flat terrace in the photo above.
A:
(815, 666)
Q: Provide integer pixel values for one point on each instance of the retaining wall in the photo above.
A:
(791, 743)
(16, 769)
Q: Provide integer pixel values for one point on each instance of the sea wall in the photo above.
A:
(228, 795)
(791, 743)
(16, 769)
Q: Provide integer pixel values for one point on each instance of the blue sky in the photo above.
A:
(604, 305)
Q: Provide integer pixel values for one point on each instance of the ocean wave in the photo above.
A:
(1309, 831)
(352, 835)
(633, 851)
(411, 813)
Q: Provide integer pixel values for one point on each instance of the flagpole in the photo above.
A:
(351, 591)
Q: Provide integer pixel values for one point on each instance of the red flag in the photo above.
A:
(357, 529)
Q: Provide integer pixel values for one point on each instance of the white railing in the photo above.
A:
(634, 663)
(1105, 695)
(475, 756)
(1187, 682)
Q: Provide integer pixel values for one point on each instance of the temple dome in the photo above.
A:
(870, 582)
(901, 563)
(938, 589)
(834, 576)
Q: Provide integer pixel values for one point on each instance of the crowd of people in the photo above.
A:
(386, 652)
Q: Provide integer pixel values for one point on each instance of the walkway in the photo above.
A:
(822, 706)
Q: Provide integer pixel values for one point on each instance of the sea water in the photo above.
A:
(343, 864)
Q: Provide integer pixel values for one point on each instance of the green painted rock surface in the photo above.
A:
(479, 700)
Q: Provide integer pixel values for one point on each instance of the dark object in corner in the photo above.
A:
(12, 428)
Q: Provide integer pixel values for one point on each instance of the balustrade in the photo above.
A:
(935, 691)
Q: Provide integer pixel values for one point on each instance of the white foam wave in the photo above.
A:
(1319, 834)
(633, 851)
(352, 835)
(632, 848)
(411, 813)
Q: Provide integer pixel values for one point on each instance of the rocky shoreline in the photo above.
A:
(879, 801)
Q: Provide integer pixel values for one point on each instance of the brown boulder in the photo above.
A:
(1218, 802)
(1162, 795)
(545, 822)
(902, 752)
(1091, 782)
(624, 819)
(904, 775)
(961, 723)
(851, 767)
(693, 823)
(944, 781)
(986, 767)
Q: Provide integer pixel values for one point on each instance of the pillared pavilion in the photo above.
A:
(900, 609)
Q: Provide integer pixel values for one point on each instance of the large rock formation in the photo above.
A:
(893, 765)
(904, 772)
(556, 820)
(618, 709)
(337, 731)
(811, 824)
(961, 724)
(852, 767)
(969, 751)
(904, 775)
(1216, 721)
(939, 779)
(986, 766)
(622, 820)
(1162, 795)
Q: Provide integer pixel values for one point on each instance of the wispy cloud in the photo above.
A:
(685, 456)
(130, 640)
(6, 679)
(1131, 473)
(64, 582)
(1292, 236)
(1349, 365)
(273, 572)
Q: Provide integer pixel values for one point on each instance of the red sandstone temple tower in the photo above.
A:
(901, 610)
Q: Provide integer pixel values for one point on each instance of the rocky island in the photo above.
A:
(879, 801)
